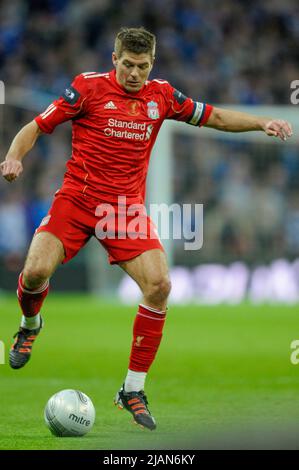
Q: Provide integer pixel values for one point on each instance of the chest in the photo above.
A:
(131, 120)
(127, 111)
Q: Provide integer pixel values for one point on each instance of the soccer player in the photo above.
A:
(116, 117)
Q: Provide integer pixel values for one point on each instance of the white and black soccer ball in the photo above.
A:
(69, 413)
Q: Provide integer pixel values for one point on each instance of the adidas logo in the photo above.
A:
(110, 105)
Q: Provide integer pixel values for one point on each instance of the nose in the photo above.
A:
(134, 73)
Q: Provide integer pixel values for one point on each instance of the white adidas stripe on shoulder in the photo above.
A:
(88, 73)
(95, 75)
(162, 82)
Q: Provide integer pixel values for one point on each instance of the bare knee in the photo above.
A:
(157, 291)
(35, 275)
(45, 253)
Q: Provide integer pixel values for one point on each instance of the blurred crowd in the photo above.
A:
(231, 51)
(221, 51)
(250, 194)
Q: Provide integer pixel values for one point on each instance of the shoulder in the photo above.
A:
(86, 81)
(87, 76)
(160, 87)
(159, 84)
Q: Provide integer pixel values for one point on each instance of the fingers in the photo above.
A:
(289, 129)
(279, 128)
(11, 169)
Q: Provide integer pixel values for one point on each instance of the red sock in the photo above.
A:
(31, 300)
(147, 335)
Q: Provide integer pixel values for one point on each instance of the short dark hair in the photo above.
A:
(137, 40)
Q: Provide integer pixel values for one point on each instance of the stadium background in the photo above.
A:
(249, 190)
(226, 52)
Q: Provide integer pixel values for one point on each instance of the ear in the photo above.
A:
(114, 59)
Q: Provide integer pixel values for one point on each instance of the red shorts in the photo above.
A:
(75, 218)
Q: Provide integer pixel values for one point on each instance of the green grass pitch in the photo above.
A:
(220, 371)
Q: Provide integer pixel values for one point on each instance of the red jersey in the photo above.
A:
(114, 132)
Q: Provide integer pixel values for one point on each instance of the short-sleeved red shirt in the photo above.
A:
(114, 132)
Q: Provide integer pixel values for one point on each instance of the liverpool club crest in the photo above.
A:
(153, 110)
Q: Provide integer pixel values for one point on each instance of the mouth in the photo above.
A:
(134, 84)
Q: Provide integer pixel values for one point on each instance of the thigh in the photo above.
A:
(46, 252)
(148, 268)
(70, 221)
(131, 237)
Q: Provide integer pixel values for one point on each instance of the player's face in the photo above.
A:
(132, 70)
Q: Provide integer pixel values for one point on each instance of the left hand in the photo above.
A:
(278, 128)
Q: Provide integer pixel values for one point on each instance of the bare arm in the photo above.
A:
(25, 139)
(234, 121)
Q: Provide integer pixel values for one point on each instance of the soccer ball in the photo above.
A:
(69, 413)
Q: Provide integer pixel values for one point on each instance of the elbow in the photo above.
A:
(217, 120)
(35, 128)
(34, 132)
(220, 122)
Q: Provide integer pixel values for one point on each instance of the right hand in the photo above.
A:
(11, 169)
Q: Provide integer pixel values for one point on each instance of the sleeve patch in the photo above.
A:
(71, 95)
(179, 97)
